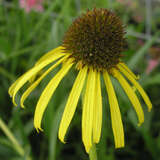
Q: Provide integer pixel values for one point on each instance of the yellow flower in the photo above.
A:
(93, 46)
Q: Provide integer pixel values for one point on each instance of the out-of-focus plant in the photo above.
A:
(29, 5)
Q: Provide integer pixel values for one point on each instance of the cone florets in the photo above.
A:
(96, 39)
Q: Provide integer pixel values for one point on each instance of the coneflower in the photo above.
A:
(93, 46)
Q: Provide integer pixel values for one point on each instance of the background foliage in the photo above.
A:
(24, 37)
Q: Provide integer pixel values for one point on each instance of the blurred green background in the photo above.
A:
(25, 35)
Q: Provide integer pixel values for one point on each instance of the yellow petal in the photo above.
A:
(87, 115)
(72, 103)
(35, 84)
(47, 93)
(117, 125)
(123, 66)
(11, 88)
(58, 50)
(139, 88)
(131, 95)
(97, 119)
(24, 78)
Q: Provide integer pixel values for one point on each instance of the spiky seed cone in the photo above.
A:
(96, 39)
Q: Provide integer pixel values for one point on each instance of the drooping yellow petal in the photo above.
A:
(123, 66)
(87, 113)
(58, 50)
(24, 78)
(35, 84)
(138, 87)
(72, 103)
(97, 119)
(47, 93)
(131, 95)
(11, 88)
(117, 125)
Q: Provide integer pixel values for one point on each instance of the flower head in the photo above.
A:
(93, 46)
(96, 39)
(28, 5)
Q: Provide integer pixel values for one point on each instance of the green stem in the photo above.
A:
(93, 153)
(11, 137)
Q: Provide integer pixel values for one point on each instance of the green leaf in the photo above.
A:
(54, 131)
